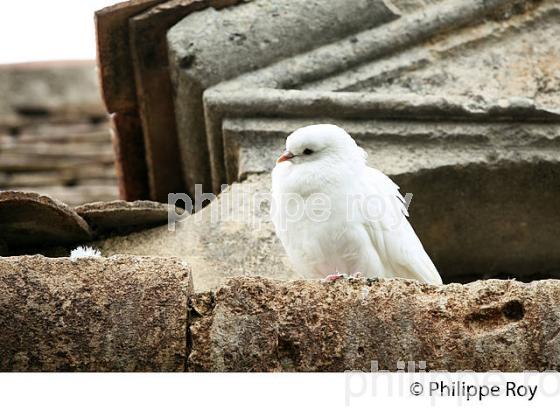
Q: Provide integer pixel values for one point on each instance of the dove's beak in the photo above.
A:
(286, 156)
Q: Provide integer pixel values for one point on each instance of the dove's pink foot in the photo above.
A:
(334, 277)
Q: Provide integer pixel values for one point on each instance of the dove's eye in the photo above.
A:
(307, 151)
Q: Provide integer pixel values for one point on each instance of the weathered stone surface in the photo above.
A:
(489, 220)
(130, 160)
(203, 55)
(231, 236)
(155, 92)
(257, 324)
(317, 100)
(135, 80)
(117, 314)
(520, 61)
(474, 161)
(32, 220)
(395, 147)
(122, 216)
(308, 84)
(113, 53)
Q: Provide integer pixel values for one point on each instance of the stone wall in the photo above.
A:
(130, 313)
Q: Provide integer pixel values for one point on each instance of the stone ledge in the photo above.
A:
(257, 324)
(130, 313)
(122, 313)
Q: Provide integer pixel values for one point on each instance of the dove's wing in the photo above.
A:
(393, 236)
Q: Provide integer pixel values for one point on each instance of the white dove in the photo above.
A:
(334, 214)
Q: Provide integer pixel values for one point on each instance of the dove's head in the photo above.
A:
(316, 154)
(321, 143)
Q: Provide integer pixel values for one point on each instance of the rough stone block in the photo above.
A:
(231, 236)
(98, 314)
(203, 55)
(256, 324)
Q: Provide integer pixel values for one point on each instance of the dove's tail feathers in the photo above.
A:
(425, 270)
(407, 256)
(404, 252)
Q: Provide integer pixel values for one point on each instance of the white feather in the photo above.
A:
(84, 252)
(366, 231)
